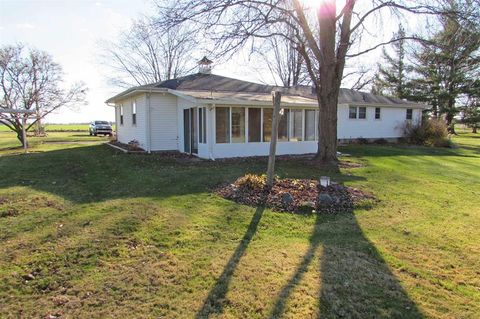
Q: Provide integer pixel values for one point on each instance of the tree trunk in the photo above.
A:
(474, 129)
(277, 96)
(20, 138)
(450, 125)
(327, 126)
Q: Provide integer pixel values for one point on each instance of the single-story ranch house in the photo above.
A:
(212, 116)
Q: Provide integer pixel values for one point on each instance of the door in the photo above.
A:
(190, 132)
(186, 131)
(193, 129)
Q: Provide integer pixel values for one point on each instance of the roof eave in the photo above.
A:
(403, 105)
(133, 91)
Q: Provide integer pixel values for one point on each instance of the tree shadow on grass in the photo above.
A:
(355, 280)
(215, 300)
(97, 173)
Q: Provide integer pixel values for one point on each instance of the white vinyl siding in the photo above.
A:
(163, 123)
(129, 131)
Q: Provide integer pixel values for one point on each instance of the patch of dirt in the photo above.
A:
(297, 196)
(14, 206)
(9, 212)
(345, 164)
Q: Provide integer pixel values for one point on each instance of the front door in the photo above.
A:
(190, 134)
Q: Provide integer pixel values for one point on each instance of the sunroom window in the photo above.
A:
(238, 125)
(222, 123)
(310, 125)
(254, 124)
(297, 125)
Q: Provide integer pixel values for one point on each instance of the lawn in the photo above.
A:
(87, 232)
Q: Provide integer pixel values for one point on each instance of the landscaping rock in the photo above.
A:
(306, 207)
(325, 199)
(287, 199)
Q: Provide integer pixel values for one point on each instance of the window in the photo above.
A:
(121, 114)
(377, 113)
(352, 112)
(222, 125)
(267, 124)
(409, 114)
(310, 126)
(362, 112)
(134, 113)
(283, 125)
(254, 125)
(355, 112)
(238, 125)
(202, 127)
(296, 132)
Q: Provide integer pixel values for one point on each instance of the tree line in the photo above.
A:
(442, 70)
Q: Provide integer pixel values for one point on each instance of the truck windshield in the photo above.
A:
(101, 123)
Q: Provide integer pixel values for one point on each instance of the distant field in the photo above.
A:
(58, 127)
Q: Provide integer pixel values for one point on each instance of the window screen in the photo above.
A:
(222, 125)
(254, 124)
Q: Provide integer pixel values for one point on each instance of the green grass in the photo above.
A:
(108, 234)
(59, 128)
(9, 144)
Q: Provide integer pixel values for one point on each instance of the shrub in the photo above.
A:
(431, 132)
(134, 145)
(252, 181)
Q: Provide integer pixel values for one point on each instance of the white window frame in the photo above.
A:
(357, 113)
(134, 113)
(379, 113)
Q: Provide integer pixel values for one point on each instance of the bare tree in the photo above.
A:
(323, 36)
(145, 54)
(285, 63)
(31, 81)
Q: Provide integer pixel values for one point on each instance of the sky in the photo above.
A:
(71, 30)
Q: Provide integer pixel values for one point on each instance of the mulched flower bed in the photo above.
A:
(296, 195)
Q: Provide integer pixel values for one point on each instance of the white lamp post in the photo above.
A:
(324, 181)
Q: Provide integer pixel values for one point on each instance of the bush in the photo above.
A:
(252, 181)
(134, 145)
(431, 132)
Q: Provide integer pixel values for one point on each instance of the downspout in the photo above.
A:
(148, 122)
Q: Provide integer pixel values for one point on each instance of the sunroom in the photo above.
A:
(238, 131)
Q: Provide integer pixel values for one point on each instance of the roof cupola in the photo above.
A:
(205, 65)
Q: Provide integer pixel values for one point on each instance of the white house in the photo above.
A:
(212, 116)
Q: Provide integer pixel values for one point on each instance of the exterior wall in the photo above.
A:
(129, 131)
(390, 124)
(226, 150)
(166, 127)
(163, 122)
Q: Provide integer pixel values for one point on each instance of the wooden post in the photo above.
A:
(24, 133)
(277, 96)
